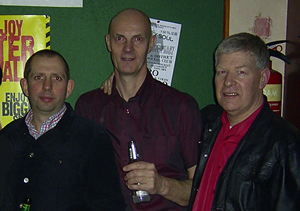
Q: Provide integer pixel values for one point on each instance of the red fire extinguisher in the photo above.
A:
(273, 90)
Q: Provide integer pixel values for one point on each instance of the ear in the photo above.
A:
(152, 42)
(264, 77)
(70, 87)
(107, 40)
(24, 86)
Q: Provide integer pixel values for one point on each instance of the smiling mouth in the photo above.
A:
(127, 59)
(230, 94)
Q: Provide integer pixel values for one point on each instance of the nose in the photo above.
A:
(229, 80)
(128, 46)
(47, 86)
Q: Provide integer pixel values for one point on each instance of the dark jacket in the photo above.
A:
(6, 151)
(263, 173)
(70, 167)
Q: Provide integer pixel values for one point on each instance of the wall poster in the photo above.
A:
(43, 3)
(20, 37)
(161, 60)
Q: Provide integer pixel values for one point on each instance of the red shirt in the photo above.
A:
(226, 142)
(164, 123)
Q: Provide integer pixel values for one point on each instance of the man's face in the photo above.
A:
(239, 84)
(47, 86)
(129, 42)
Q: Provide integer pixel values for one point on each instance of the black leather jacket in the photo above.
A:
(263, 173)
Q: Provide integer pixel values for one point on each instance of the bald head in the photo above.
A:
(133, 17)
(129, 41)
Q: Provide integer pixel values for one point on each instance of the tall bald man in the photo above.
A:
(164, 122)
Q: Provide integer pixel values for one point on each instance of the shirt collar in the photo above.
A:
(48, 124)
(241, 128)
(142, 94)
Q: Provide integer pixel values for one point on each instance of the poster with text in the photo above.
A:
(20, 37)
(43, 3)
(161, 60)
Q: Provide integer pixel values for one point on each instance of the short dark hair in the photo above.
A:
(248, 43)
(47, 53)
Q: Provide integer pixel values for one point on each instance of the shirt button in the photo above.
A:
(209, 130)
(205, 155)
(60, 161)
(127, 111)
(31, 154)
(26, 180)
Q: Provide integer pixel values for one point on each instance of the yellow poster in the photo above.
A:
(20, 37)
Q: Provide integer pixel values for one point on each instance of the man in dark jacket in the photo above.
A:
(61, 161)
(249, 156)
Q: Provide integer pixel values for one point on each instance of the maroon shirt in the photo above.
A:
(164, 123)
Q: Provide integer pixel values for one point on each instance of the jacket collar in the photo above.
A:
(64, 124)
(259, 125)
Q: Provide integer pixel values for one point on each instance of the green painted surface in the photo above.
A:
(78, 34)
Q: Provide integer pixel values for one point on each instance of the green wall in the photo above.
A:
(78, 34)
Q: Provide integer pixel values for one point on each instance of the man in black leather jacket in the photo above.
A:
(249, 156)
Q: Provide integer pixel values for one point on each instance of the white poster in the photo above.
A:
(51, 3)
(161, 60)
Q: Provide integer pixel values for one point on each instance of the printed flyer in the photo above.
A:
(161, 60)
(43, 3)
(20, 37)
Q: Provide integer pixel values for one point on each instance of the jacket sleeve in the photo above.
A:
(6, 152)
(103, 188)
(285, 190)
